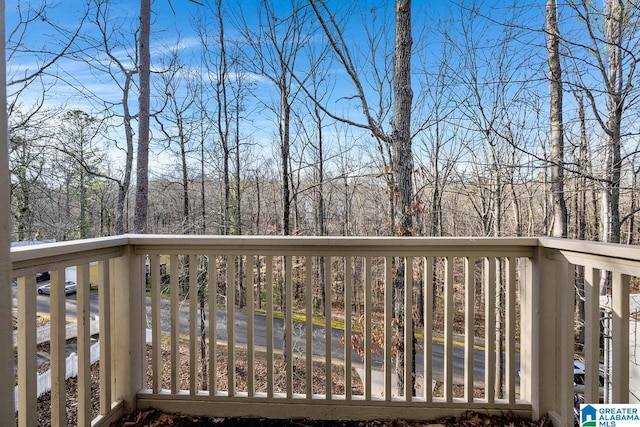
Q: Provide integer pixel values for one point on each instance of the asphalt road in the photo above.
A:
(299, 338)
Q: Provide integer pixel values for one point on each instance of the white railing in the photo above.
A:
(273, 359)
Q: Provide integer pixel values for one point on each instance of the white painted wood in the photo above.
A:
(592, 333)
(288, 297)
(409, 375)
(368, 284)
(308, 293)
(269, 307)
(328, 327)
(388, 328)
(510, 330)
(174, 328)
(546, 329)
(129, 338)
(320, 409)
(348, 290)
(620, 338)
(213, 335)
(27, 405)
(104, 313)
(526, 310)
(250, 326)
(448, 329)
(490, 329)
(428, 329)
(469, 326)
(58, 347)
(7, 404)
(545, 374)
(231, 326)
(84, 344)
(156, 330)
(193, 324)
(566, 289)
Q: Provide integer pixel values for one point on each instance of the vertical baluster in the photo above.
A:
(620, 337)
(213, 331)
(409, 374)
(104, 312)
(526, 330)
(58, 348)
(469, 328)
(448, 329)
(566, 287)
(309, 326)
(288, 288)
(388, 329)
(27, 362)
(231, 321)
(250, 326)
(156, 329)
(592, 334)
(367, 328)
(327, 326)
(348, 283)
(428, 329)
(489, 328)
(84, 345)
(175, 324)
(510, 330)
(269, 306)
(193, 311)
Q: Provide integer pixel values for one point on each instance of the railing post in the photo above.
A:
(551, 348)
(7, 404)
(620, 339)
(129, 308)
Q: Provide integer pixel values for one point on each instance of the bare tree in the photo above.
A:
(555, 113)
(273, 53)
(177, 123)
(142, 161)
(399, 139)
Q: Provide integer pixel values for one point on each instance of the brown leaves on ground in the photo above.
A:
(155, 418)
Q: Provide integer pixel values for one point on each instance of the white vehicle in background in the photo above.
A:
(578, 379)
(69, 288)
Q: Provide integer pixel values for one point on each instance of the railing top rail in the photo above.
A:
(611, 251)
(34, 258)
(455, 246)
(59, 251)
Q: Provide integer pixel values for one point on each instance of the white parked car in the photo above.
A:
(69, 288)
(578, 379)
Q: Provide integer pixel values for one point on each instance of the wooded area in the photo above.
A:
(295, 125)
(319, 118)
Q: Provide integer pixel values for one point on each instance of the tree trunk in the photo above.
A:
(285, 127)
(610, 221)
(142, 168)
(403, 166)
(559, 206)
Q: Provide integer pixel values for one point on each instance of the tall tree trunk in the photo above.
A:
(142, 168)
(610, 221)
(581, 213)
(559, 206)
(403, 166)
(223, 118)
(120, 226)
(285, 128)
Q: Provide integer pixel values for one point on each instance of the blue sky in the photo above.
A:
(173, 22)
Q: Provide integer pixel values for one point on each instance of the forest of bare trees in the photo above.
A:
(313, 117)
(310, 117)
